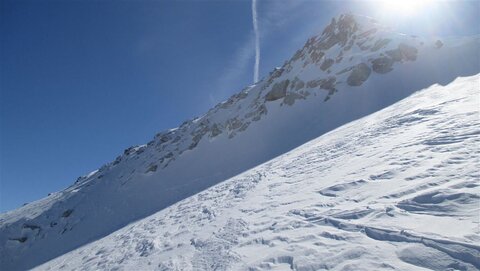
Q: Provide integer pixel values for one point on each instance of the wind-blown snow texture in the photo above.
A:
(353, 68)
(396, 190)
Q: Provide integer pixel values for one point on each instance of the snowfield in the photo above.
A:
(396, 190)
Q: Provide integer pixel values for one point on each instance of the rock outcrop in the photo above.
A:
(278, 91)
(359, 74)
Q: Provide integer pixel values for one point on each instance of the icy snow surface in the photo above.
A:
(396, 190)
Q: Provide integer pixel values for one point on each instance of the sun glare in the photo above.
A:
(405, 7)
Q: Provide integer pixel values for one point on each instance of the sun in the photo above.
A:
(405, 7)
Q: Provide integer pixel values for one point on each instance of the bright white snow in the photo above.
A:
(396, 190)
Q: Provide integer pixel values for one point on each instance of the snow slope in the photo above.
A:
(353, 68)
(396, 190)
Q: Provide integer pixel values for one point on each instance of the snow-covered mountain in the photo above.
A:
(353, 68)
(396, 190)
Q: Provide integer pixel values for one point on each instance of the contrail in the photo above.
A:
(257, 41)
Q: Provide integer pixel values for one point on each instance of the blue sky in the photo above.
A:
(80, 81)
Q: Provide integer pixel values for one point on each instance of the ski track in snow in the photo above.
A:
(396, 190)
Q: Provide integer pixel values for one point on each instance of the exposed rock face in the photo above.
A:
(438, 44)
(367, 33)
(327, 83)
(67, 213)
(233, 124)
(257, 114)
(359, 74)
(215, 130)
(278, 91)
(152, 168)
(195, 141)
(327, 63)
(291, 97)
(345, 70)
(338, 32)
(404, 52)
(197, 135)
(380, 44)
(314, 83)
(317, 56)
(382, 65)
(297, 84)
(277, 72)
(409, 53)
(129, 150)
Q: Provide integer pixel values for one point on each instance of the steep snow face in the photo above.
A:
(353, 68)
(395, 190)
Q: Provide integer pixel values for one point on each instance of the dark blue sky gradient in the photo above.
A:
(82, 80)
